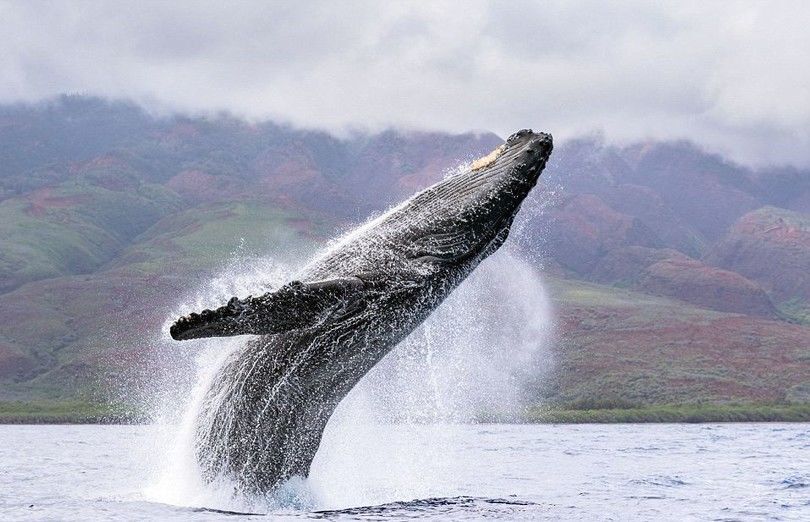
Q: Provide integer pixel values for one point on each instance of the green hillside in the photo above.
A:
(73, 228)
(62, 333)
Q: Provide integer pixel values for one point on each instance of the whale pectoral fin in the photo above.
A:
(293, 306)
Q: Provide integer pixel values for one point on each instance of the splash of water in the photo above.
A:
(178, 478)
(470, 359)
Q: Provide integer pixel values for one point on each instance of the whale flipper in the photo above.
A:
(293, 306)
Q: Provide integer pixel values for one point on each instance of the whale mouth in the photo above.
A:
(513, 168)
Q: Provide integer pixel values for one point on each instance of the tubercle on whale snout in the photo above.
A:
(528, 164)
(533, 155)
(537, 136)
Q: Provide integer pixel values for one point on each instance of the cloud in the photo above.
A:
(730, 75)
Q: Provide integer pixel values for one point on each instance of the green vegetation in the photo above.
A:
(796, 310)
(72, 229)
(77, 412)
(68, 412)
(53, 335)
(618, 349)
(205, 238)
(675, 413)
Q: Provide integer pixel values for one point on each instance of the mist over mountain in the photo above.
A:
(677, 275)
(730, 75)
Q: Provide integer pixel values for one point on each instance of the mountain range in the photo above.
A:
(677, 276)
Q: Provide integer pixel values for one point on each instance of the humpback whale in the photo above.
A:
(262, 419)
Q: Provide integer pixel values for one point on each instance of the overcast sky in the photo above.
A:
(733, 76)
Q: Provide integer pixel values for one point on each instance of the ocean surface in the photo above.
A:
(449, 472)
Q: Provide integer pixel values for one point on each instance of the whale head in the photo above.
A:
(468, 215)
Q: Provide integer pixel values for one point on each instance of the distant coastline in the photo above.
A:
(675, 413)
(15, 412)
(68, 412)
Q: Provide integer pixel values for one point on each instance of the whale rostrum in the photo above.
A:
(262, 418)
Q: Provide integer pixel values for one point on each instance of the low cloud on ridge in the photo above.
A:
(732, 76)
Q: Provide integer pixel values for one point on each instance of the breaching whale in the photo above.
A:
(263, 416)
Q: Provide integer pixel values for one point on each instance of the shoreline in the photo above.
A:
(68, 412)
(674, 413)
(85, 413)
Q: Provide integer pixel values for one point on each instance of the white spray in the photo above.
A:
(469, 360)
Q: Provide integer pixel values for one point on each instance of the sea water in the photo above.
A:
(438, 472)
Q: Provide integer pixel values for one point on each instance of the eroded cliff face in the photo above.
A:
(582, 229)
(667, 272)
(770, 246)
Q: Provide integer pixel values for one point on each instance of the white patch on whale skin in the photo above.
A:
(487, 160)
